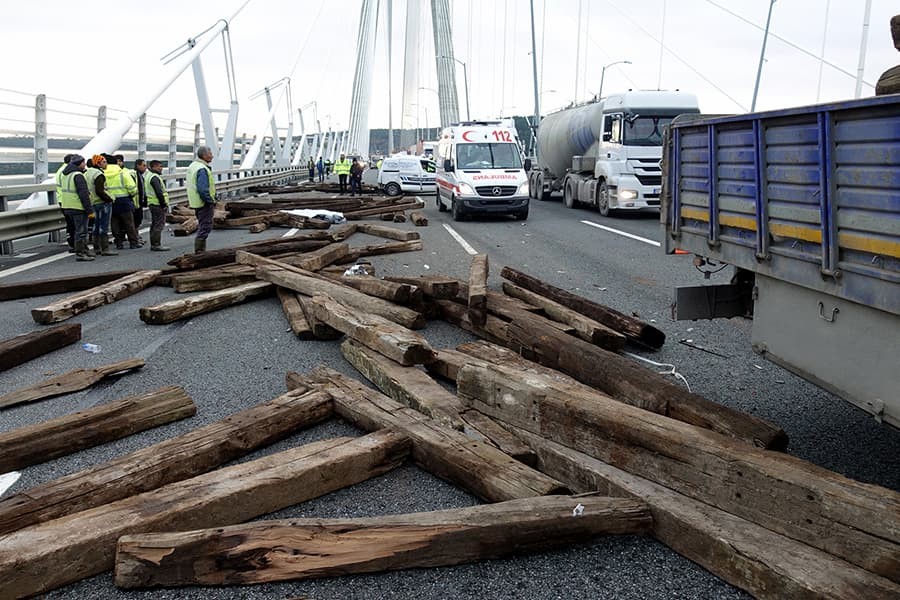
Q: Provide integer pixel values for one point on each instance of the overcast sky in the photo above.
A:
(109, 53)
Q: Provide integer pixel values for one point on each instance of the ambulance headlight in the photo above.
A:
(523, 190)
(466, 190)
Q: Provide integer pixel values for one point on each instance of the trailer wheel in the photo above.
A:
(569, 195)
(603, 198)
(539, 192)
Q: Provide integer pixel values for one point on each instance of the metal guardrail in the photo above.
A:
(18, 224)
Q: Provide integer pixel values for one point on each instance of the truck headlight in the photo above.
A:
(523, 190)
(627, 194)
(465, 189)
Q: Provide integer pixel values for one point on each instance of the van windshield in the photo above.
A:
(488, 156)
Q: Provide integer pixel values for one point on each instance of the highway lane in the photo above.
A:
(234, 358)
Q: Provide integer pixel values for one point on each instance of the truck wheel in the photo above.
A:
(392, 189)
(603, 198)
(569, 196)
(539, 188)
(455, 210)
(440, 205)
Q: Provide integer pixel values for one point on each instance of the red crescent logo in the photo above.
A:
(465, 133)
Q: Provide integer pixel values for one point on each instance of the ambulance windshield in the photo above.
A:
(488, 156)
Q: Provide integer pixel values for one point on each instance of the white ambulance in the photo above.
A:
(481, 170)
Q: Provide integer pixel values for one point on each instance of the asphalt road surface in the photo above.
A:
(234, 358)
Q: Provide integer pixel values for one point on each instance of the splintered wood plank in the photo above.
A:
(394, 341)
(186, 227)
(67, 383)
(285, 550)
(477, 300)
(22, 348)
(320, 330)
(432, 286)
(174, 459)
(321, 258)
(46, 556)
(93, 426)
(391, 233)
(753, 558)
(175, 310)
(407, 385)
(500, 437)
(585, 328)
(223, 256)
(418, 219)
(852, 520)
(58, 285)
(94, 297)
(293, 312)
(633, 328)
(399, 293)
(477, 467)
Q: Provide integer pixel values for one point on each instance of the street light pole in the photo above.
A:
(762, 57)
(537, 97)
(465, 81)
(603, 73)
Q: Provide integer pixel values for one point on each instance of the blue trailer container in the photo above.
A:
(805, 202)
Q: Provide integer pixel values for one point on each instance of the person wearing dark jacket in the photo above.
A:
(140, 167)
(75, 199)
(356, 171)
(102, 202)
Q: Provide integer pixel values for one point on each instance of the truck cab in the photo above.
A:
(481, 170)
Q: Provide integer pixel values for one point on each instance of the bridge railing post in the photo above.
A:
(101, 121)
(142, 137)
(41, 143)
(173, 147)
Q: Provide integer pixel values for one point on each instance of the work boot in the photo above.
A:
(135, 245)
(96, 241)
(87, 249)
(80, 251)
(104, 247)
(199, 245)
(156, 242)
(120, 245)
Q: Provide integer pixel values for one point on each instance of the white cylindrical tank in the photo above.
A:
(569, 133)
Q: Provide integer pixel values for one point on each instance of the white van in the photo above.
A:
(407, 174)
(481, 170)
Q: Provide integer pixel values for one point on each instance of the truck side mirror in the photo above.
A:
(527, 164)
(607, 136)
(448, 166)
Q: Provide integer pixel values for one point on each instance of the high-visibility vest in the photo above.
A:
(194, 199)
(68, 195)
(342, 167)
(91, 177)
(152, 200)
(58, 178)
(119, 183)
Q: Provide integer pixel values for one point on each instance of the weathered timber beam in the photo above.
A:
(626, 380)
(634, 329)
(46, 556)
(22, 348)
(852, 520)
(418, 219)
(500, 437)
(269, 551)
(223, 256)
(295, 279)
(293, 312)
(106, 293)
(258, 228)
(391, 233)
(374, 212)
(398, 293)
(586, 328)
(320, 330)
(67, 383)
(750, 557)
(432, 286)
(58, 285)
(407, 385)
(477, 297)
(181, 457)
(321, 258)
(342, 232)
(494, 329)
(47, 440)
(184, 308)
(210, 282)
(477, 467)
(394, 341)
(186, 227)
(379, 249)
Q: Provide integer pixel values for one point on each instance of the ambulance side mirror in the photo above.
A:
(527, 164)
(448, 166)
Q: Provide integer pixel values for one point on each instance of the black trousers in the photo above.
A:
(342, 182)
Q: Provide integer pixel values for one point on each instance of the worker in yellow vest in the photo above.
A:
(342, 168)
(122, 187)
(70, 227)
(158, 202)
(75, 200)
(201, 192)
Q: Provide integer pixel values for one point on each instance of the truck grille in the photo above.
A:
(652, 180)
(489, 190)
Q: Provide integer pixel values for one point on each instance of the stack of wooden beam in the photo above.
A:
(545, 406)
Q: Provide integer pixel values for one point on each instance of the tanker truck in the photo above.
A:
(606, 153)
